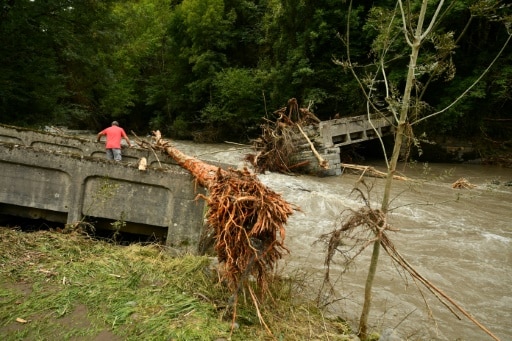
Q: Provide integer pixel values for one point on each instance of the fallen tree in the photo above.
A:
(246, 219)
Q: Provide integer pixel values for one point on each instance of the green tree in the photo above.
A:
(235, 108)
(30, 79)
(193, 52)
(144, 60)
(286, 40)
(481, 114)
(418, 27)
(50, 70)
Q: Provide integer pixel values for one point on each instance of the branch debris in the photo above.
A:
(246, 218)
(462, 184)
(371, 171)
(280, 141)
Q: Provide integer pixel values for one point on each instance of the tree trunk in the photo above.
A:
(400, 134)
(246, 220)
(204, 173)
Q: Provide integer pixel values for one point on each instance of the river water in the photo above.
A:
(459, 239)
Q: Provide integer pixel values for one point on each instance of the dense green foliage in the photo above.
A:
(216, 67)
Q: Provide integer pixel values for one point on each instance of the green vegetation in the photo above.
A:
(414, 31)
(215, 68)
(68, 286)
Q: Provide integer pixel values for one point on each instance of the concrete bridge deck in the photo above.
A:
(66, 179)
(77, 145)
(349, 130)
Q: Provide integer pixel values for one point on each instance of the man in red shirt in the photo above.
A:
(114, 134)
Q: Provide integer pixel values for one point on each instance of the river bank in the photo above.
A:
(67, 286)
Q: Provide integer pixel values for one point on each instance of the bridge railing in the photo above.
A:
(350, 130)
(66, 178)
(70, 144)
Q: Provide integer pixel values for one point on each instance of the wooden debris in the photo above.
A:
(462, 184)
(321, 161)
(277, 144)
(371, 171)
(143, 163)
(246, 219)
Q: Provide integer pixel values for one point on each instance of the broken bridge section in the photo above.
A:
(349, 130)
(329, 136)
(67, 180)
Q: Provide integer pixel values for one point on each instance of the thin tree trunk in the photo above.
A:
(363, 320)
(400, 134)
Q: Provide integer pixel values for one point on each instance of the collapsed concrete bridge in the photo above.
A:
(329, 137)
(66, 179)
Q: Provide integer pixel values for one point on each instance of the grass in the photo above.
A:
(70, 287)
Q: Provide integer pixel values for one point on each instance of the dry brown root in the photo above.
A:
(246, 219)
(463, 184)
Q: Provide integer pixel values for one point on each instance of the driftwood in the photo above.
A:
(143, 164)
(274, 149)
(246, 218)
(371, 171)
(321, 161)
(463, 184)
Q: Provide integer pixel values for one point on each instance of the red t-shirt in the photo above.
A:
(114, 135)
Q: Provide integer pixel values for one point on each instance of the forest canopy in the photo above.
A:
(215, 68)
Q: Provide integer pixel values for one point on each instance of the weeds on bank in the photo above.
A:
(67, 286)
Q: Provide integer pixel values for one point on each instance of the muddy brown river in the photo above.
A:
(459, 239)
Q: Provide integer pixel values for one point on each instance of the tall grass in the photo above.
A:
(68, 287)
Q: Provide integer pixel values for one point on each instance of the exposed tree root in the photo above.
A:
(247, 220)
